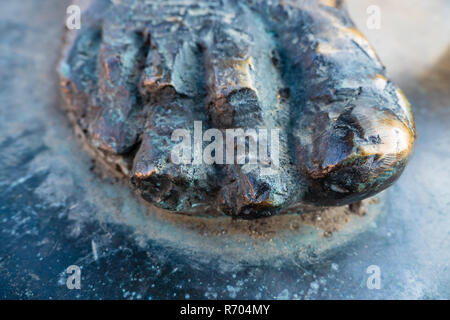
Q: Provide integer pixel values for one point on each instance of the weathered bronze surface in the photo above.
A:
(139, 69)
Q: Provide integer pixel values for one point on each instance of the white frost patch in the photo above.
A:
(284, 295)
(94, 250)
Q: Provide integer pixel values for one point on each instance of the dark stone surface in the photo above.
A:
(138, 70)
(55, 212)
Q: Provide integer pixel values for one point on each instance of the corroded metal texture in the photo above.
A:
(139, 69)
